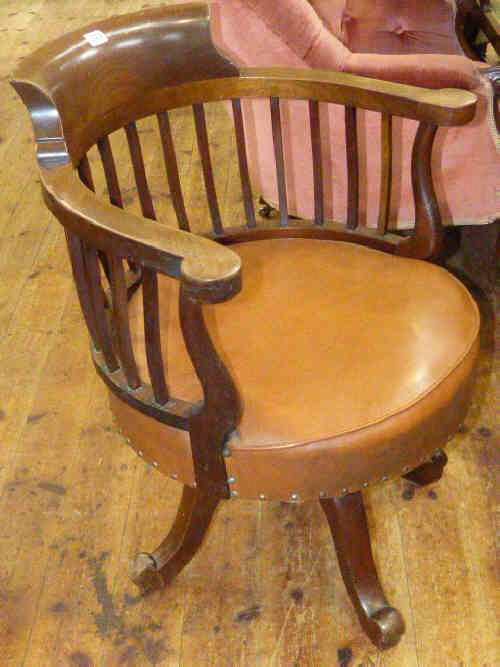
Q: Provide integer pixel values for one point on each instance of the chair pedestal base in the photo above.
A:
(346, 517)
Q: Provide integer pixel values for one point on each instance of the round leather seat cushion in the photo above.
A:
(351, 363)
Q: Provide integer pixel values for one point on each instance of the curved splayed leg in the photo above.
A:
(428, 472)
(155, 570)
(346, 516)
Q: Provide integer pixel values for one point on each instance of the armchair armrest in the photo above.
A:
(209, 272)
(423, 69)
(431, 70)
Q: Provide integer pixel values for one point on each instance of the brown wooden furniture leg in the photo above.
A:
(266, 210)
(428, 472)
(346, 516)
(479, 244)
(157, 569)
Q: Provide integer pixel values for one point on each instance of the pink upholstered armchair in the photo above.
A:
(408, 41)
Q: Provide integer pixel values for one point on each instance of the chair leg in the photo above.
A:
(346, 516)
(428, 472)
(267, 210)
(479, 245)
(156, 570)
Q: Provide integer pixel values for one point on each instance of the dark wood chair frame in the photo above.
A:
(101, 235)
(481, 247)
(471, 17)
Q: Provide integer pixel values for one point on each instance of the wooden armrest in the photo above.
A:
(445, 106)
(210, 272)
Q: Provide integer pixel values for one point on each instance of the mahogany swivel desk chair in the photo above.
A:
(306, 360)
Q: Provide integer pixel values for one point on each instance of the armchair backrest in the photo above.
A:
(395, 27)
(399, 45)
(391, 26)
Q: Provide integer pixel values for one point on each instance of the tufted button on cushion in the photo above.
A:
(392, 26)
(351, 364)
(400, 29)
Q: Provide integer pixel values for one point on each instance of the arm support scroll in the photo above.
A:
(221, 409)
(428, 234)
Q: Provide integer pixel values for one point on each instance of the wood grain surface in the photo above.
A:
(76, 503)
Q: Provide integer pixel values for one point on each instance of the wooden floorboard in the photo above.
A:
(76, 503)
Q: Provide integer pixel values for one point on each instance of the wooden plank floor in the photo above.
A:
(75, 502)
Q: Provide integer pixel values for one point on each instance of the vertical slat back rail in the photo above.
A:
(279, 159)
(172, 170)
(351, 135)
(316, 158)
(97, 296)
(115, 195)
(139, 171)
(385, 172)
(108, 163)
(77, 257)
(85, 173)
(120, 318)
(246, 188)
(204, 150)
(152, 335)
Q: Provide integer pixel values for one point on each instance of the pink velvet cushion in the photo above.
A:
(330, 12)
(301, 32)
(465, 161)
(400, 26)
(297, 24)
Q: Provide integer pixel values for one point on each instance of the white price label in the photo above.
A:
(95, 38)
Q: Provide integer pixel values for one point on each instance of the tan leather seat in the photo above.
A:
(352, 365)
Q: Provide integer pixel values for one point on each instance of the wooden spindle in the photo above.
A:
(246, 188)
(172, 170)
(385, 173)
(104, 263)
(139, 171)
(77, 257)
(206, 163)
(108, 163)
(316, 158)
(85, 173)
(153, 335)
(279, 159)
(97, 296)
(120, 316)
(351, 135)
